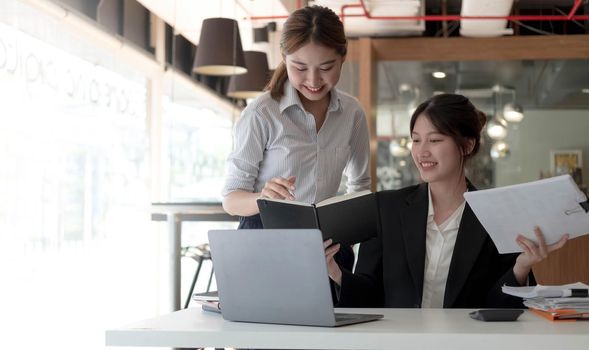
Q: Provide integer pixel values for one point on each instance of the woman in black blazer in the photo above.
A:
(431, 250)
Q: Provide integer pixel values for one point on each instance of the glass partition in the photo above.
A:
(551, 138)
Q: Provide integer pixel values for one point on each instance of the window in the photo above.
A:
(196, 141)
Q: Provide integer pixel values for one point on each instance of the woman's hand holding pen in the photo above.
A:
(533, 253)
(333, 270)
(279, 188)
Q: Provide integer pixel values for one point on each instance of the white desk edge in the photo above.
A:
(400, 329)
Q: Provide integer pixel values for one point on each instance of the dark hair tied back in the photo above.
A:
(482, 119)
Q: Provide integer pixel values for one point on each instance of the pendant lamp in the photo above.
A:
(497, 128)
(513, 113)
(219, 48)
(251, 84)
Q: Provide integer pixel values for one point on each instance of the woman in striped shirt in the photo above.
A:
(296, 140)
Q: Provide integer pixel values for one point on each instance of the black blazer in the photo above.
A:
(390, 267)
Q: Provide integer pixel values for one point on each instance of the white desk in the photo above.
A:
(400, 329)
(175, 214)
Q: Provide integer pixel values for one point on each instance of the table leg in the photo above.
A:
(175, 229)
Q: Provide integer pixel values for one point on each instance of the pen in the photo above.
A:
(575, 293)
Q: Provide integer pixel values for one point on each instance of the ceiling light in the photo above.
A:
(400, 147)
(404, 87)
(500, 150)
(252, 83)
(219, 50)
(497, 129)
(513, 113)
(439, 75)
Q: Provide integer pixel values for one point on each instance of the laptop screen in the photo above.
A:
(272, 276)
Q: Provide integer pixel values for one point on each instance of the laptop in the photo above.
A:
(275, 276)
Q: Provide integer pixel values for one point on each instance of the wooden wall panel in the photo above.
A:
(477, 49)
(566, 265)
(367, 97)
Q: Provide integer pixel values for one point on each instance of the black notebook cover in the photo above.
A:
(347, 222)
(351, 221)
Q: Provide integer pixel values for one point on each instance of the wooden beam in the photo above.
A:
(353, 50)
(529, 47)
(367, 97)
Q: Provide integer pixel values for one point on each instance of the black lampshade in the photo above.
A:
(252, 83)
(219, 48)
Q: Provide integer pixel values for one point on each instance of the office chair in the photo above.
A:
(200, 254)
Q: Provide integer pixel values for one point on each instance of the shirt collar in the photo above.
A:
(430, 207)
(291, 98)
(335, 101)
(455, 217)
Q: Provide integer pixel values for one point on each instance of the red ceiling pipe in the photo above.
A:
(343, 11)
(367, 14)
(452, 17)
(569, 17)
(458, 18)
(574, 9)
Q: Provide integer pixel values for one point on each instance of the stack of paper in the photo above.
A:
(556, 303)
(548, 304)
(543, 291)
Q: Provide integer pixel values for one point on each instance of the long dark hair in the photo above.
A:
(315, 24)
(455, 116)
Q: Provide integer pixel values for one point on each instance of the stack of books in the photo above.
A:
(208, 300)
(568, 302)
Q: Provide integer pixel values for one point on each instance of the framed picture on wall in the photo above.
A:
(565, 161)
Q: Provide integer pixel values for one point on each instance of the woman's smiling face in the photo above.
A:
(313, 70)
(437, 156)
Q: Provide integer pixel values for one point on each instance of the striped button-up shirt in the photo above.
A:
(279, 139)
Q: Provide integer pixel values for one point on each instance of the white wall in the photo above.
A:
(532, 140)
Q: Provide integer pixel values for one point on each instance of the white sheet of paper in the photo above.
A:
(543, 291)
(552, 204)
